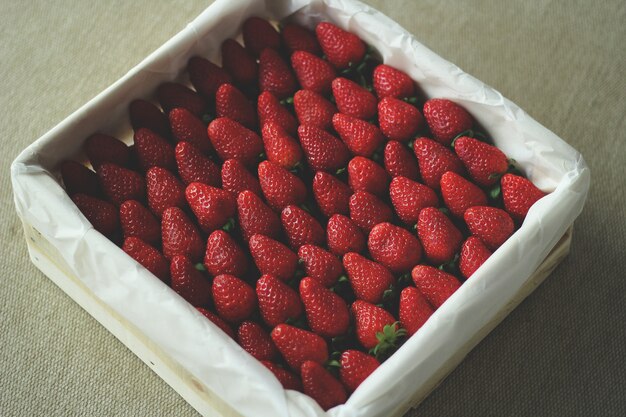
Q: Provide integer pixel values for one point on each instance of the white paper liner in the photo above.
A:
(198, 345)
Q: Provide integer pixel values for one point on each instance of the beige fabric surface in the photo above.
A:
(561, 353)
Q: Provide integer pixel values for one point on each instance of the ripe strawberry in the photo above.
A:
(320, 264)
(394, 247)
(414, 310)
(446, 119)
(278, 302)
(253, 338)
(148, 257)
(153, 151)
(215, 319)
(298, 38)
(440, 238)
(326, 312)
(297, 345)
(280, 187)
(473, 254)
(234, 299)
(101, 214)
(236, 178)
(121, 184)
(391, 82)
(232, 140)
(437, 286)
(256, 217)
(104, 148)
(313, 109)
(232, 103)
(322, 386)
(300, 227)
(313, 72)
(434, 160)
(259, 34)
(78, 179)
(239, 63)
(366, 175)
(399, 120)
(519, 194)
(288, 379)
(399, 162)
(189, 282)
(368, 279)
(180, 236)
(145, 114)
(367, 210)
(361, 137)
(280, 147)
(193, 166)
(343, 49)
(460, 194)
(224, 256)
(485, 163)
(491, 225)
(212, 206)
(275, 75)
(376, 328)
(269, 110)
(272, 257)
(164, 190)
(206, 77)
(409, 198)
(173, 95)
(137, 221)
(331, 194)
(355, 367)
(353, 100)
(323, 151)
(344, 236)
(189, 128)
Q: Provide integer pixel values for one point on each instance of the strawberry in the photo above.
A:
(236, 178)
(180, 236)
(376, 328)
(414, 310)
(215, 319)
(344, 236)
(322, 386)
(148, 257)
(275, 75)
(434, 160)
(288, 379)
(355, 367)
(399, 120)
(491, 225)
(145, 114)
(367, 210)
(409, 198)
(473, 254)
(320, 264)
(440, 238)
(446, 119)
(394, 247)
(253, 338)
(213, 207)
(297, 345)
(234, 299)
(193, 166)
(361, 137)
(121, 184)
(485, 163)
(153, 151)
(206, 77)
(436, 285)
(239, 63)
(164, 190)
(298, 38)
(256, 217)
(399, 162)
(78, 179)
(101, 214)
(173, 95)
(366, 175)
(232, 103)
(232, 140)
(326, 312)
(104, 148)
(460, 194)
(331, 194)
(313, 109)
(259, 34)
(312, 72)
(300, 227)
(519, 194)
(391, 82)
(278, 302)
(272, 257)
(368, 279)
(137, 221)
(224, 256)
(280, 187)
(343, 49)
(189, 128)
(280, 147)
(189, 282)
(353, 100)
(269, 109)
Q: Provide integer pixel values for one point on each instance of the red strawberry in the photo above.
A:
(275, 75)
(145, 114)
(224, 256)
(434, 160)
(193, 166)
(180, 236)
(280, 187)
(121, 184)
(353, 100)
(298, 38)
(256, 341)
(280, 147)
(206, 77)
(394, 247)
(269, 109)
(101, 214)
(399, 162)
(409, 198)
(460, 194)
(473, 254)
(331, 194)
(300, 227)
(322, 386)
(173, 95)
(232, 103)
(234, 299)
(236, 178)
(256, 217)
(361, 137)
(326, 312)
(485, 163)
(104, 148)
(164, 190)
(343, 49)
(259, 34)
(414, 310)
(288, 379)
(391, 82)
(519, 194)
(138, 221)
(437, 286)
(239, 63)
(366, 175)
(148, 257)
(399, 120)
(446, 119)
(278, 302)
(153, 151)
(189, 282)
(225, 327)
(232, 140)
(78, 179)
(344, 236)
(272, 257)
(187, 127)
(368, 279)
(212, 206)
(491, 225)
(313, 109)
(320, 264)
(440, 238)
(355, 367)
(367, 210)
(297, 345)
(313, 72)
(372, 321)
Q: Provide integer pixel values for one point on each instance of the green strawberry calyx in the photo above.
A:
(388, 340)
